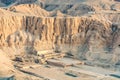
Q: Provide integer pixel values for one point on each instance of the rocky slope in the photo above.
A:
(29, 9)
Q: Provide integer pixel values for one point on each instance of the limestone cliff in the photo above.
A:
(87, 37)
(79, 35)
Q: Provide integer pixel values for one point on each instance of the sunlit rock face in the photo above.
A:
(83, 37)
(87, 37)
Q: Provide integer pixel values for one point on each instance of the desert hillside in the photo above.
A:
(87, 29)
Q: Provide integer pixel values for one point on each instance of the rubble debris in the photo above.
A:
(37, 61)
(18, 59)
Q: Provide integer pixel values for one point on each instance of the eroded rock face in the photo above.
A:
(89, 37)
(81, 36)
(49, 29)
